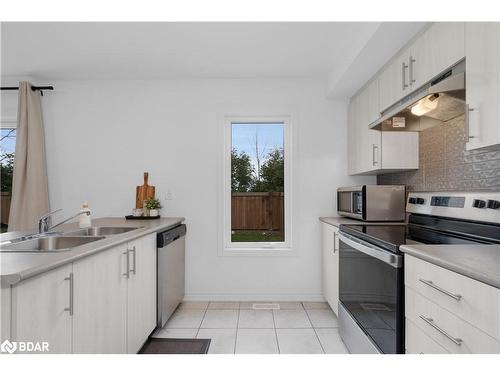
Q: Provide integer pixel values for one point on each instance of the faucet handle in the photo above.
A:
(50, 213)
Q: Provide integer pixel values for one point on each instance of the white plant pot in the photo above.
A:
(153, 212)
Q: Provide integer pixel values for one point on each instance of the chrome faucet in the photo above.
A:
(44, 225)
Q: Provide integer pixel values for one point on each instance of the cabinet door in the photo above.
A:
(40, 310)
(100, 303)
(367, 140)
(335, 280)
(352, 136)
(437, 49)
(141, 292)
(394, 81)
(330, 268)
(373, 99)
(350, 139)
(399, 150)
(482, 47)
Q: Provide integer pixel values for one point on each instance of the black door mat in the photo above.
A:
(175, 346)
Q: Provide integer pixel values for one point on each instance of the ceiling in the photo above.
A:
(117, 50)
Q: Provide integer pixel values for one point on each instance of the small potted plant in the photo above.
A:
(153, 206)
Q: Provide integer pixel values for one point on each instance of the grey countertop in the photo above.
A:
(336, 221)
(15, 267)
(479, 262)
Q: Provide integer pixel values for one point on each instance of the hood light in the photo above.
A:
(425, 105)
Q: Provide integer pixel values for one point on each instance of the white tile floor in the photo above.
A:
(235, 327)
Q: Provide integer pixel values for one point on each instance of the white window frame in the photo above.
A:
(230, 248)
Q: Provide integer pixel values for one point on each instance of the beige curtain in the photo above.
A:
(30, 194)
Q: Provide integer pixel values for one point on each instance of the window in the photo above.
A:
(7, 148)
(257, 189)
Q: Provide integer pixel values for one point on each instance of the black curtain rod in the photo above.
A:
(32, 87)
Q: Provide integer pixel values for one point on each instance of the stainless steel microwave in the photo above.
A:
(372, 202)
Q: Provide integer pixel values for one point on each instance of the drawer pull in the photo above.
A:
(430, 322)
(457, 297)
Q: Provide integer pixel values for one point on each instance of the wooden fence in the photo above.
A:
(257, 211)
(5, 206)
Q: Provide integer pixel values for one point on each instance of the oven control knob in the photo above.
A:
(494, 205)
(478, 203)
(412, 200)
(419, 201)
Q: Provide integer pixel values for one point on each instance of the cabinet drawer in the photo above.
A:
(449, 331)
(471, 300)
(417, 342)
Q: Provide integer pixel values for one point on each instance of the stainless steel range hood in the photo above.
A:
(439, 100)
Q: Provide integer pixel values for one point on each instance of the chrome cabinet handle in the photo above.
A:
(128, 265)
(412, 79)
(374, 147)
(403, 71)
(456, 297)
(430, 322)
(334, 242)
(134, 260)
(71, 293)
(468, 110)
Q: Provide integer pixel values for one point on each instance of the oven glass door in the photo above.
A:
(372, 291)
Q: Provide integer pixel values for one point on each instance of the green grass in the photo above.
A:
(256, 236)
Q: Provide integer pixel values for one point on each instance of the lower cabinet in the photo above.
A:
(141, 292)
(41, 310)
(100, 301)
(104, 303)
(449, 312)
(330, 265)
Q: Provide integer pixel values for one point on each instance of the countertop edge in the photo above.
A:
(327, 220)
(15, 278)
(464, 271)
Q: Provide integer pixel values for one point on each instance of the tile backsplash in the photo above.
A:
(446, 165)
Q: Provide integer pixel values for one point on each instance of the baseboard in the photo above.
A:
(254, 297)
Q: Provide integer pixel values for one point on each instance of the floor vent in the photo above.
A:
(375, 306)
(266, 306)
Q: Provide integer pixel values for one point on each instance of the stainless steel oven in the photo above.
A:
(371, 308)
(372, 202)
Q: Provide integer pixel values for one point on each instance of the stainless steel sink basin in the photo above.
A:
(102, 231)
(49, 244)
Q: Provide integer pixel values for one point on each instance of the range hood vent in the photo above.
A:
(441, 99)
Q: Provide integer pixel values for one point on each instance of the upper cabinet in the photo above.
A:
(430, 54)
(438, 48)
(394, 81)
(482, 48)
(372, 151)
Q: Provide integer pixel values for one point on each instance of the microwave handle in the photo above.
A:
(385, 256)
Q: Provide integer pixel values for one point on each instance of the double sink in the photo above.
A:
(54, 242)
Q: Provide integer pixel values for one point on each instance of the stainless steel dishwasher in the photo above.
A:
(171, 271)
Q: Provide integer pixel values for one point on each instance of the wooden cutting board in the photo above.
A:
(144, 192)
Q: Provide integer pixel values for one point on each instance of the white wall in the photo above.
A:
(101, 136)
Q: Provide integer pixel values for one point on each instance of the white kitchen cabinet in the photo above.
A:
(330, 268)
(100, 302)
(394, 80)
(449, 311)
(5, 312)
(141, 291)
(482, 50)
(440, 47)
(41, 310)
(373, 151)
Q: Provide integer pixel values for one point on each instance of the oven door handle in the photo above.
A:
(393, 260)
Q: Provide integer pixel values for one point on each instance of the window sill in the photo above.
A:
(257, 252)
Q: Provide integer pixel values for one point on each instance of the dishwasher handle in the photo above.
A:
(170, 235)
